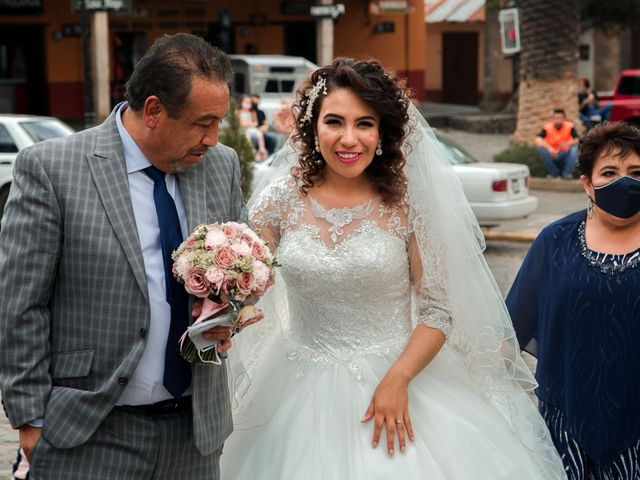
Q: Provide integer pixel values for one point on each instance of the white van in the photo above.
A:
(273, 77)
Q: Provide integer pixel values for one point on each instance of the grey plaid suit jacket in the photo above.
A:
(73, 295)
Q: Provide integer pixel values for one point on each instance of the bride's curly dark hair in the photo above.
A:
(386, 94)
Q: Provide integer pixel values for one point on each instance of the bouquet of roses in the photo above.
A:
(230, 267)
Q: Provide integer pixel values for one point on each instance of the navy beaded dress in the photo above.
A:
(583, 309)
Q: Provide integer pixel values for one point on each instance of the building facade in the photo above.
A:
(41, 48)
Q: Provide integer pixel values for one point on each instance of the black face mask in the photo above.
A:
(620, 198)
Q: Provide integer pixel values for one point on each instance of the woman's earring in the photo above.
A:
(590, 209)
(317, 145)
(379, 149)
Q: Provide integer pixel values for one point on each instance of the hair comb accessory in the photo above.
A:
(319, 87)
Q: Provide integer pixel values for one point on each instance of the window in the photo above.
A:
(271, 87)
(629, 86)
(239, 83)
(43, 130)
(7, 145)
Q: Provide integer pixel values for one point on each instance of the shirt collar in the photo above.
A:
(133, 156)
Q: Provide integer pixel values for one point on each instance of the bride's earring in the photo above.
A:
(317, 145)
(379, 149)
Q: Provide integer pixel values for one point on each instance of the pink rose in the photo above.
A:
(258, 251)
(241, 249)
(228, 230)
(228, 285)
(215, 277)
(225, 257)
(249, 314)
(261, 275)
(182, 265)
(246, 282)
(215, 238)
(196, 283)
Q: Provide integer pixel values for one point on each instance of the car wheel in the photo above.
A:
(4, 194)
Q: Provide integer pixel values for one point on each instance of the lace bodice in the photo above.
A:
(348, 273)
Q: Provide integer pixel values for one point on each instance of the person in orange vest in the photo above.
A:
(557, 145)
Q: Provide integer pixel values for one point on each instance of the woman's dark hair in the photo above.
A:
(168, 67)
(386, 95)
(611, 138)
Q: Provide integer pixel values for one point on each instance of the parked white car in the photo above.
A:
(18, 132)
(495, 191)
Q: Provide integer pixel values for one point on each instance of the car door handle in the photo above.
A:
(5, 162)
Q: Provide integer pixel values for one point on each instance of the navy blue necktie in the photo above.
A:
(177, 371)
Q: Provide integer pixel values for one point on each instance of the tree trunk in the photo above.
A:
(549, 31)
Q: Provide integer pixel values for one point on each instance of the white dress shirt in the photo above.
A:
(145, 386)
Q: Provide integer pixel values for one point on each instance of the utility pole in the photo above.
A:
(89, 113)
(100, 66)
(324, 37)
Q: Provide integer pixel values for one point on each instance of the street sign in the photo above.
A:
(327, 11)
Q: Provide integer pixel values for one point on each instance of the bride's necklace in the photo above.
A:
(340, 217)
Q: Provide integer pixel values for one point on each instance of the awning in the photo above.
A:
(436, 11)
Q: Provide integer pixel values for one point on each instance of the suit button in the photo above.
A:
(142, 332)
(123, 381)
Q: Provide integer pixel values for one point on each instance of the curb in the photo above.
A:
(556, 185)
(521, 237)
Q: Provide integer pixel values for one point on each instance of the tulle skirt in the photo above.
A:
(303, 422)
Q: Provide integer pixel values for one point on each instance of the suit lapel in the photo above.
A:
(193, 190)
(108, 169)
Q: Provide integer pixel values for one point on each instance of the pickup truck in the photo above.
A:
(625, 98)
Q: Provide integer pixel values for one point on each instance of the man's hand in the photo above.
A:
(29, 436)
(223, 334)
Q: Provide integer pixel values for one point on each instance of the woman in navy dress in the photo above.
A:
(575, 304)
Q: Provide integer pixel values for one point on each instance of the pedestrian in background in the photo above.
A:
(577, 296)
(557, 145)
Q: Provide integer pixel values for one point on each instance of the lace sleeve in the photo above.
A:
(430, 295)
(270, 213)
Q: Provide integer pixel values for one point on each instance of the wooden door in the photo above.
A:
(460, 68)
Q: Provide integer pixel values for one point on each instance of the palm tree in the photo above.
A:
(549, 32)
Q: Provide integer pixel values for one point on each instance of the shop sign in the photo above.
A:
(381, 7)
(12, 7)
(93, 5)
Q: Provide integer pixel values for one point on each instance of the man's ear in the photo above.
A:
(152, 111)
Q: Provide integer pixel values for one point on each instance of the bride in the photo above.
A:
(386, 350)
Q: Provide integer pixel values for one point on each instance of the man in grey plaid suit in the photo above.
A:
(84, 308)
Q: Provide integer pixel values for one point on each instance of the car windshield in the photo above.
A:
(456, 155)
(40, 130)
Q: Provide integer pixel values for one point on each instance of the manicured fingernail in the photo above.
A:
(402, 448)
(391, 452)
(374, 444)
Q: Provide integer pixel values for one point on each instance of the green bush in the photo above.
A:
(525, 155)
(233, 136)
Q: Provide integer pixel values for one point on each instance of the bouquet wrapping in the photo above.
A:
(230, 267)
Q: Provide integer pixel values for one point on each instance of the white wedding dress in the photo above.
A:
(317, 358)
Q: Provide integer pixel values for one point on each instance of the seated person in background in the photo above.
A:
(249, 122)
(270, 138)
(283, 121)
(589, 105)
(557, 145)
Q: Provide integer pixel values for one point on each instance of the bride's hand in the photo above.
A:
(389, 408)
